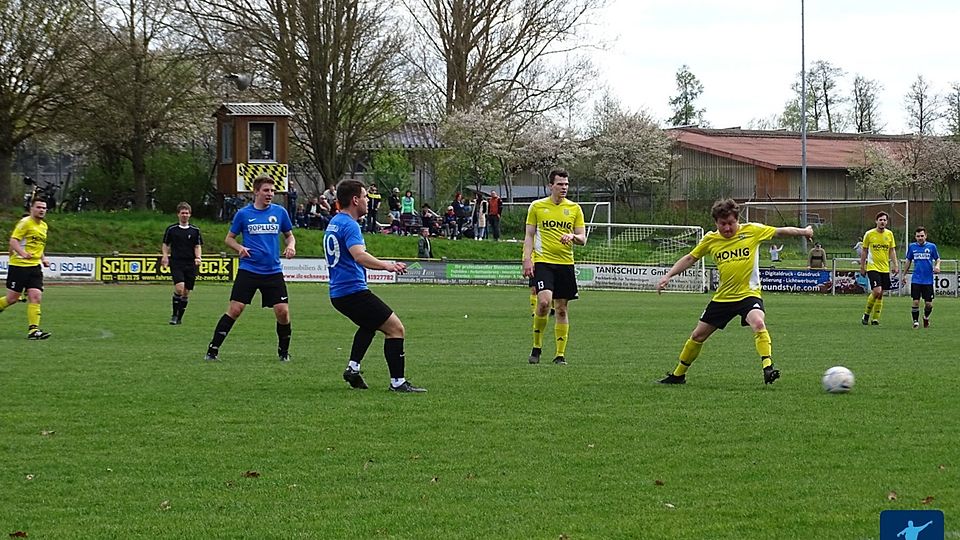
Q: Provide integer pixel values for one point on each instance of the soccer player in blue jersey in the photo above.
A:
(347, 259)
(926, 260)
(259, 224)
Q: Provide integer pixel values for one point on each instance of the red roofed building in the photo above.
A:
(764, 165)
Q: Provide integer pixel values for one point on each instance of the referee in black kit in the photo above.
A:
(182, 250)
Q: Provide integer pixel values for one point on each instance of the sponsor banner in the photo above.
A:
(315, 270)
(61, 268)
(484, 273)
(853, 282)
(625, 276)
(943, 284)
(424, 272)
(148, 268)
(795, 280)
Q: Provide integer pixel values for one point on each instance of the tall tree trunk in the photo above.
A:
(6, 170)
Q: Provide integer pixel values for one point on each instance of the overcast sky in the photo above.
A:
(747, 52)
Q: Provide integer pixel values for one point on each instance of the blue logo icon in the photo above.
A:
(911, 525)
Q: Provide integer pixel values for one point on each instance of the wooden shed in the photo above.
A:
(252, 139)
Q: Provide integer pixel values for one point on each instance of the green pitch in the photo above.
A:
(115, 427)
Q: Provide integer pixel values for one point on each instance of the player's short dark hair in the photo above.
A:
(882, 213)
(261, 180)
(920, 229)
(184, 206)
(558, 172)
(725, 208)
(347, 190)
(35, 200)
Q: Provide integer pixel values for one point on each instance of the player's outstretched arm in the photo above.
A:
(795, 231)
(368, 261)
(678, 267)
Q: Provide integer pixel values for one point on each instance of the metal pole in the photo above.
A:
(803, 127)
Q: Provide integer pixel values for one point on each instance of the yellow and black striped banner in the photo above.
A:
(247, 172)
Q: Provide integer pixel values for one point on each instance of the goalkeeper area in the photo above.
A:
(844, 221)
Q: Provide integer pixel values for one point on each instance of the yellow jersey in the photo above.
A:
(737, 259)
(32, 236)
(553, 221)
(877, 245)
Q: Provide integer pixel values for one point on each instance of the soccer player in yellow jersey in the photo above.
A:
(554, 224)
(879, 254)
(27, 243)
(734, 248)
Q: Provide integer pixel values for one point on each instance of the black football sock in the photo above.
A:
(220, 333)
(361, 342)
(177, 299)
(393, 351)
(183, 307)
(283, 339)
(927, 311)
(915, 312)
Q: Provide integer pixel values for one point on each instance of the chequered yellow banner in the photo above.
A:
(247, 172)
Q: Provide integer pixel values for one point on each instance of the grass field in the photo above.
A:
(115, 427)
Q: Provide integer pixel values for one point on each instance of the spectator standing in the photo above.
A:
(292, 197)
(494, 210)
(407, 209)
(423, 244)
(459, 210)
(373, 206)
(817, 258)
(394, 202)
(481, 210)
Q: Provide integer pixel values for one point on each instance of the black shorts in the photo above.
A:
(24, 277)
(879, 279)
(559, 278)
(272, 287)
(918, 291)
(718, 314)
(183, 271)
(364, 308)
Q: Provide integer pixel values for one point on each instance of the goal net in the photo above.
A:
(840, 221)
(514, 215)
(636, 256)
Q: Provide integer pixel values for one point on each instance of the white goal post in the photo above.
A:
(849, 219)
(635, 256)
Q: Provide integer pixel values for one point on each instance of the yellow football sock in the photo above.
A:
(764, 347)
(870, 301)
(562, 331)
(689, 353)
(33, 315)
(3, 303)
(877, 308)
(539, 323)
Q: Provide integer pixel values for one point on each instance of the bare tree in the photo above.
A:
(336, 63)
(38, 63)
(865, 105)
(822, 79)
(689, 89)
(516, 56)
(923, 107)
(952, 113)
(145, 85)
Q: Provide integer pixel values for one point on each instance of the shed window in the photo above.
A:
(262, 142)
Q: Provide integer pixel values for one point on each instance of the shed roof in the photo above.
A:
(409, 136)
(782, 149)
(255, 109)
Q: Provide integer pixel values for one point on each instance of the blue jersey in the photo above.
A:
(346, 275)
(260, 229)
(923, 257)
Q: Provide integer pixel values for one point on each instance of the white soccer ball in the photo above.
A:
(837, 380)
